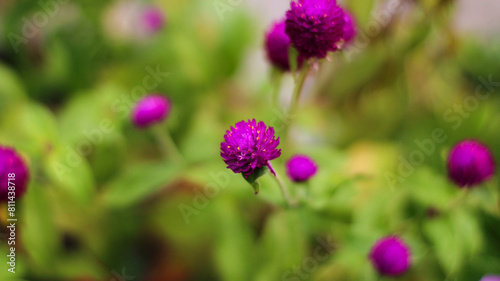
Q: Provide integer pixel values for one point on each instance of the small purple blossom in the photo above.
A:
(470, 163)
(390, 256)
(490, 278)
(314, 27)
(300, 168)
(249, 146)
(12, 164)
(149, 110)
(152, 19)
(349, 31)
(277, 47)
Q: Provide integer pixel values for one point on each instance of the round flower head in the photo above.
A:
(314, 27)
(349, 31)
(149, 110)
(300, 168)
(13, 173)
(470, 163)
(490, 278)
(277, 47)
(152, 19)
(390, 256)
(249, 146)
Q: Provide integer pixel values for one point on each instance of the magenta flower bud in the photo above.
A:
(300, 168)
(349, 31)
(14, 174)
(150, 110)
(314, 27)
(152, 19)
(470, 163)
(249, 146)
(390, 256)
(278, 46)
(490, 278)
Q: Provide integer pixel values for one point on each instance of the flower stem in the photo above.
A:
(496, 195)
(286, 195)
(277, 78)
(299, 84)
(459, 200)
(167, 144)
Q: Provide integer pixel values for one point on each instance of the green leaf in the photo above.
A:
(29, 127)
(39, 232)
(362, 10)
(71, 172)
(139, 182)
(11, 88)
(282, 248)
(446, 244)
(252, 179)
(234, 242)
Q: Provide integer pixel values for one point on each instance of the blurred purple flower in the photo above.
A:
(470, 163)
(249, 146)
(152, 19)
(149, 110)
(314, 27)
(349, 31)
(12, 163)
(390, 256)
(300, 168)
(277, 47)
(490, 278)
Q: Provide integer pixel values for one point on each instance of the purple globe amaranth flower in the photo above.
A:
(300, 168)
(277, 47)
(149, 110)
(349, 31)
(490, 278)
(390, 256)
(249, 146)
(470, 163)
(314, 27)
(14, 173)
(152, 19)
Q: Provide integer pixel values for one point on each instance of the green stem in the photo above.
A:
(286, 195)
(167, 144)
(459, 200)
(299, 84)
(277, 78)
(496, 195)
(307, 187)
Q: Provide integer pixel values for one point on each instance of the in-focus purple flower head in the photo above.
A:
(390, 256)
(277, 47)
(490, 278)
(314, 27)
(12, 164)
(152, 19)
(150, 110)
(249, 146)
(300, 168)
(470, 163)
(349, 27)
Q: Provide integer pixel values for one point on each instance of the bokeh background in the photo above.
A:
(103, 204)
